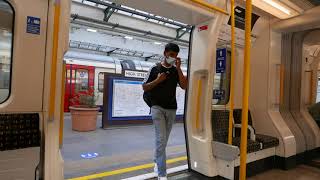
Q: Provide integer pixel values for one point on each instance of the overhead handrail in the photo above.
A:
(57, 12)
(232, 73)
(209, 6)
(246, 89)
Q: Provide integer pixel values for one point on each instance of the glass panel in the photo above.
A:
(82, 80)
(221, 83)
(100, 82)
(6, 29)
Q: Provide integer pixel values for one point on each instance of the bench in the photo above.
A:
(260, 147)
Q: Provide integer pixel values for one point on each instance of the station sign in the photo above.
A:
(135, 74)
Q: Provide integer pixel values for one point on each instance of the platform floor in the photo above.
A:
(118, 148)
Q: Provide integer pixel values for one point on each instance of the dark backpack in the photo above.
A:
(147, 98)
(147, 95)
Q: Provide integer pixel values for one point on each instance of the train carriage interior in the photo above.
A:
(71, 96)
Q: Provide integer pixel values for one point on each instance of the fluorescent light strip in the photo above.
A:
(128, 37)
(91, 30)
(278, 6)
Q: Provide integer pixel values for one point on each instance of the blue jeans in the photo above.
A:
(163, 120)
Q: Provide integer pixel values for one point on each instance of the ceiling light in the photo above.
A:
(278, 6)
(128, 37)
(91, 30)
(157, 43)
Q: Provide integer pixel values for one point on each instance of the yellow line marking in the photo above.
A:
(126, 170)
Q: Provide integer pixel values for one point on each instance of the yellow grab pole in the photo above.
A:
(198, 104)
(311, 88)
(232, 73)
(209, 6)
(57, 11)
(63, 83)
(245, 96)
(281, 83)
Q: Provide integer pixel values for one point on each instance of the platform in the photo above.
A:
(117, 148)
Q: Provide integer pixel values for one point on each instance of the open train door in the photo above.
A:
(207, 20)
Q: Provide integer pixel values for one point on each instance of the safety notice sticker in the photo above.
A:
(221, 60)
(33, 25)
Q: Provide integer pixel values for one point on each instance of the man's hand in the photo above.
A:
(149, 86)
(178, 62)
(161, 77)
(182, 79)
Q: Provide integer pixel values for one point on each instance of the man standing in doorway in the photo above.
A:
(161, 83)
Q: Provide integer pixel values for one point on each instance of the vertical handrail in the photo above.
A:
(198, 104)
(57, 12)
(281, 83)
(246, 91)
(311, 88)
(63, 83)
(232, 73)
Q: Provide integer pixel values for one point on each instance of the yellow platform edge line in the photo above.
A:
(126, 170)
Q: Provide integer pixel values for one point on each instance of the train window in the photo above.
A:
(221, 84)
(100, 82)
(82, 79)
(6, 44)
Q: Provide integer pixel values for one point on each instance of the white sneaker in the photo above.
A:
(156, 169)
(162, 178)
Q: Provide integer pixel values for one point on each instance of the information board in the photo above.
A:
(127, 99)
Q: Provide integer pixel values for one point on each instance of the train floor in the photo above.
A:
(116, 148)
(302, 172)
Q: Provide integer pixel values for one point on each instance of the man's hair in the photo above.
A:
(172, 47)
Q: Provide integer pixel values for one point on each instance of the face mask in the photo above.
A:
(171, 60)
